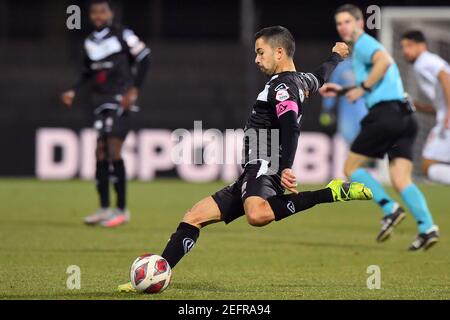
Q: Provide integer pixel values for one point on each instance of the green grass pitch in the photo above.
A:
(319, 254)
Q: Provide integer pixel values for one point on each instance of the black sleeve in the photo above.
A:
(286, 102)
(290, 131)
(323, 73)
(140, 56)
(313, 81)
(86, 74)
(141, 69)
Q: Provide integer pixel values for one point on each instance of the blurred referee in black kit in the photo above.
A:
(115, 65)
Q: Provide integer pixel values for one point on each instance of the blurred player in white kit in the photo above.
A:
(433, 77)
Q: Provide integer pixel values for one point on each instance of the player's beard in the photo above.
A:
(104, 25)
(267, 72)
(264, 71)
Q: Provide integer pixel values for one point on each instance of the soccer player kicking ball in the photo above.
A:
(116, 63)
(433, 76)
(259, 192)
(389, 128)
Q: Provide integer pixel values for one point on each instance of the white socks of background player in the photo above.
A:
(440, 173)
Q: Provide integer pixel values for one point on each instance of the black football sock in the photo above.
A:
(180, 243)
(102, 181)
(284, 206)
(120, 182)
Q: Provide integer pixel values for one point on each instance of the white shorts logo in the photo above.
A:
(244, 189)
(301, 95)
(188, 243)
(291, 206)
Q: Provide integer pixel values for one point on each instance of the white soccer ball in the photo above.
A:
(150, 273)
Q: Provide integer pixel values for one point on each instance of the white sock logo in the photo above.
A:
(291, 206)
(188, 243)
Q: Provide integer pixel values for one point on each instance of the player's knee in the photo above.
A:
(192, 218)
(100, 155)
(400, 182)
(116, 157)
(258, 219)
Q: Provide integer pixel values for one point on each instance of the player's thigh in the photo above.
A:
(379, 131)
(400, 171)
(353, 162)
(403, 146)
(229, 201)
(258, 187)
(437, 147)
(100, 150)
(114, 148)
(203, 213)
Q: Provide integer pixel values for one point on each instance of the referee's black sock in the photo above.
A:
(180, 243)
(284, 206)
(102, 181)
(120, 182)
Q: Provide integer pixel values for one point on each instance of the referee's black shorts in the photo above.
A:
(254, 181)
(389, 128)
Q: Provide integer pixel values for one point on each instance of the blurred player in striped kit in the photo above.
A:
(115, 65)
(433, 77)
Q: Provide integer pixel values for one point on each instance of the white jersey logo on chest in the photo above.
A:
(262, 96)
(105, 48)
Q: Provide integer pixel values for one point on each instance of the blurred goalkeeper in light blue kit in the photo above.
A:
(349, 114)
(389, 128)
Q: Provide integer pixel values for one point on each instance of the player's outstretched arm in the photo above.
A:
(68, 96)
(140, 56)
(444, 79)
(316, 79)
(381, 61)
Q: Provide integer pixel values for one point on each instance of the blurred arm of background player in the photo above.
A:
(139, 54)
(381, 62)
(86, 75)
(424, 107)
(327, 117)
(444, 79)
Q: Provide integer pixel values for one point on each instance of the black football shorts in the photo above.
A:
(110, 119)
(389, 128)
(254, 181)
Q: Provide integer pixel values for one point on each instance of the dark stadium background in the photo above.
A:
(202, 63)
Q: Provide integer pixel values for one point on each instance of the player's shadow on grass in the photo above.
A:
(200, 286)
(46, 223)
(89, 250)
(81, 295)
(352, 246)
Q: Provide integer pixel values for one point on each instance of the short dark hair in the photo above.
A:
(278, 36)
(414, 35)
(95, 2)
(355, 11)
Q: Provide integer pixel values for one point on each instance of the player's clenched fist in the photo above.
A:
(67, 98)
(341, 48)
(330, 89)
(289, 180)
